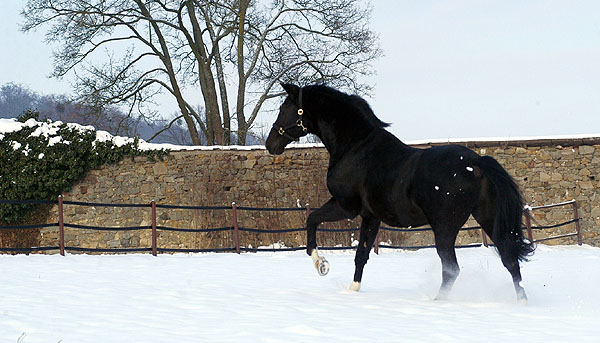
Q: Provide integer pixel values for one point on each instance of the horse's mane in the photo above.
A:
(361, 106)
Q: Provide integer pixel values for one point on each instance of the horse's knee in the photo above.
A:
(513, 268)
(510, 264)
(312, 221)
(450, 270)
(450, 274)
(361, 259)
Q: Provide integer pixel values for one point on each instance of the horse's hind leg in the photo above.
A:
(329, 212)
(444, 244)
(368, 234)
(515, 272)
(511, 264)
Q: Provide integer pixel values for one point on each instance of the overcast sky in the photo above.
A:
(452, 69)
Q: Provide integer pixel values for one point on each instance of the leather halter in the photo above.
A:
(282, 130)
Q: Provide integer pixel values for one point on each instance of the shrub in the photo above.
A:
(45, 159)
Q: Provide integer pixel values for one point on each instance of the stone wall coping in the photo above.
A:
(534, 142)
(575, 140)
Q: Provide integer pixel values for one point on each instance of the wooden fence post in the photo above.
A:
(236, 231)
(577, 225)
(484, 238)
(154, 233)
(61, 226)
(528, 225)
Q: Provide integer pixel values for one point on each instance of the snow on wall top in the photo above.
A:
(50, 130)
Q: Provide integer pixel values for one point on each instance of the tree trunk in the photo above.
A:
(241, 118)
(166, 60)
(207, 83)
(184, 111)
(211, 104)
(224, 99)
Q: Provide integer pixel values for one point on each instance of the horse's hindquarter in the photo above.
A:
(446, 183)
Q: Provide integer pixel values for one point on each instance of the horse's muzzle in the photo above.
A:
(276, 143)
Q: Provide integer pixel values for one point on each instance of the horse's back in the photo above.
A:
(408, 186)
(402, 185)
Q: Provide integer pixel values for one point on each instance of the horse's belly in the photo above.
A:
(403, 218)
(405, 223)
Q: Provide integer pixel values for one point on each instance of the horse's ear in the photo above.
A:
(291, 89)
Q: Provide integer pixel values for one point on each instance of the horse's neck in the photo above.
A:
(339, 142)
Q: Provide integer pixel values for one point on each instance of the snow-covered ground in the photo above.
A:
(278, 297)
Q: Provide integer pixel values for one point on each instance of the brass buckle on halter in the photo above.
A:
(299, 122)
(300, 111)
(281, 131)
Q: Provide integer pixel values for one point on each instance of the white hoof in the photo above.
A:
(320, 263)
(323, 267)
(355, 286)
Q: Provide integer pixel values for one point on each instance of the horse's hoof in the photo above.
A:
(355, 286)
(442, 296)
(522, 299)
(322, 266)
(521, 295)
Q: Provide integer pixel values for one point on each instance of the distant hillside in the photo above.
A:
(16, 99)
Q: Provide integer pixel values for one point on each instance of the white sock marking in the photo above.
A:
(315, 255)
(355, 286)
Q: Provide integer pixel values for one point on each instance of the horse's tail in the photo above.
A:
(508, 208)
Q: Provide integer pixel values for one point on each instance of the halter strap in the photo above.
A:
(282, 131)
(300, 110)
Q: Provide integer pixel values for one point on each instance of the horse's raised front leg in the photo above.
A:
(368, 234)
(329, 212)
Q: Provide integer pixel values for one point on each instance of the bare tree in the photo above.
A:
(226, 48)
(15, 99)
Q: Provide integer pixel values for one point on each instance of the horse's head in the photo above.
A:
(291, 122)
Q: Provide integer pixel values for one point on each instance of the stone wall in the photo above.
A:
(548, 171)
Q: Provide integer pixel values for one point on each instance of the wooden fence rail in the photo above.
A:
(235, 228)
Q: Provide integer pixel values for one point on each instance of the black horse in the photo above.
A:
(373, 174)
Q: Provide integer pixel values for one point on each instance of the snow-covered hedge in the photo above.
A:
(40, 160)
